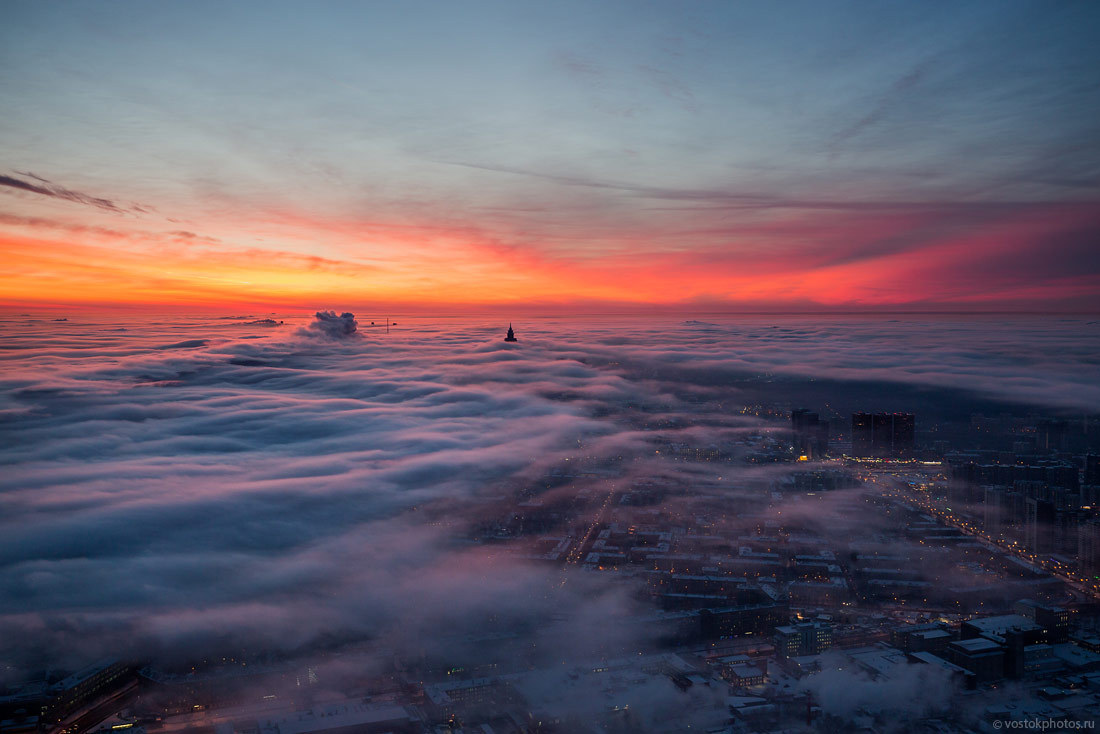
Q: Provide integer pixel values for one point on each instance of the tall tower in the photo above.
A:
(862, 434)
(511, 335)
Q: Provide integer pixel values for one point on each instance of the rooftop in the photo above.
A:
(977, 645)
(1001, 624)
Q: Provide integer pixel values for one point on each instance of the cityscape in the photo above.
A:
(559, 525)
(618, 367)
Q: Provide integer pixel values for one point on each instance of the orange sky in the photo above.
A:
(802, 260)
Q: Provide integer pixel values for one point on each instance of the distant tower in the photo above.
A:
(883, 434)
(511, 335)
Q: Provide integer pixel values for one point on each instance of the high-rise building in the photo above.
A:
(883, 434)
(903, 438)
(1092, 469)
(1088, 547)
(1051, 435)
(1039, 527)
(996, 512)
(882, 429)
(1032, 488)
(810, 433)
(863, 433)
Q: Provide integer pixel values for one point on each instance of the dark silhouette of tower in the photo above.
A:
(862, 434)
(883, 434)
(511, 335)
(811, 435)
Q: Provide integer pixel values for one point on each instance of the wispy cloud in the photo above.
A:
(45, 187)
(883, 106)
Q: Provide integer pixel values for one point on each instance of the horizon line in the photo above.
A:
(652, 311)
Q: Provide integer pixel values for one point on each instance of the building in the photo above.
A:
(1045, 472)
(1054, 620)
(746, 619)
(84, 687)
(963, 678)
(1039, 661)
(1086, 640)
(467, 697)
(883, 434)
(1088, 547)
(810, 435)
(996, 512)
(931, 638)
(1051, 435)
(743, 675)
(1039, 527)
(981, 656)
(511, 337)
(1092, 469)
(1013, 633)
(863, 433)
(807, 638)
(997, 627)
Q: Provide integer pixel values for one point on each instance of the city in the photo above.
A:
(704, 567)
(497, 367)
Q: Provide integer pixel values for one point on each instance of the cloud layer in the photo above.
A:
(183, 484)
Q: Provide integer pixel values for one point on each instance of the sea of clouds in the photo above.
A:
(183, 485)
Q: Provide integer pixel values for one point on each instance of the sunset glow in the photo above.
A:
(152, 159)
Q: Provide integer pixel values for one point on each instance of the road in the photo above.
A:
(577, 552)
(899, 490)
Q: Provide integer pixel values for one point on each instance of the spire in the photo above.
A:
(511, 334)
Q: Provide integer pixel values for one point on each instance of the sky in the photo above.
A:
(435, 157)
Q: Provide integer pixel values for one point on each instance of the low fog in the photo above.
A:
(181, 487)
